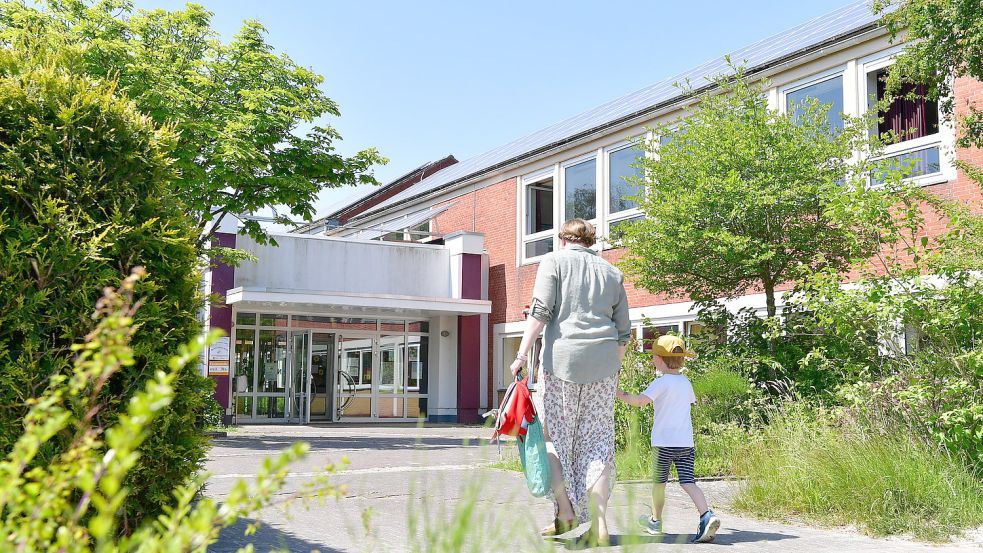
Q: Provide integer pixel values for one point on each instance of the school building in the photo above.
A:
(410, 302)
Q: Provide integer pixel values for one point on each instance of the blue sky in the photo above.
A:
(423, 79)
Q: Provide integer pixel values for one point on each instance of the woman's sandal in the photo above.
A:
(558, 527)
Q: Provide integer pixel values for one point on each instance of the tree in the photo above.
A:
(944, 42)
(235, 107)
(85, 195)
(737, 199)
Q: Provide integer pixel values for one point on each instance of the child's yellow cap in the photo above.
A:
(665, 345)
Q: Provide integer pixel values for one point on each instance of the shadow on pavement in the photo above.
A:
(725, 538)
(266, 443)
(266, 538)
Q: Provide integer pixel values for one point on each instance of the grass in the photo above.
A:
(800, 467)
(714, 456)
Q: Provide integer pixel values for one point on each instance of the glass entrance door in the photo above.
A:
(355, 385)
(322, 376)
(298, 392)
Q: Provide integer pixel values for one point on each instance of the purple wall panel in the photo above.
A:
(468, 368)
(469, 344)
(220, 314)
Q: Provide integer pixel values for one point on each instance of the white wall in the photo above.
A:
(303, 262)
(443, 376)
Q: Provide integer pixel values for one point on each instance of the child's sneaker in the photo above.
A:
(652, 526)
(709, 524)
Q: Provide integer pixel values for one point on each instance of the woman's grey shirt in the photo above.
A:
(582, 300)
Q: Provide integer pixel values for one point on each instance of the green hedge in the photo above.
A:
(85, 197)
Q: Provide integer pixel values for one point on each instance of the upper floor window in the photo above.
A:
(911, 122)
(828, 92)
(580, 190)
(910, 115)
(538, 219)
(622, 167)
(539, 198)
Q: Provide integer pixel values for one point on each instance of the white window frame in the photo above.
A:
(814, 79)
(944, 140)
(525, 182)
(618, 216)
(560, 196)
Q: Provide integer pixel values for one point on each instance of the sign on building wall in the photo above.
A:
(218, 357)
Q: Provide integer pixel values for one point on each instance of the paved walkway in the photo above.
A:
(407, 487)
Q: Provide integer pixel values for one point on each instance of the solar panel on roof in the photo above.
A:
(809, 34)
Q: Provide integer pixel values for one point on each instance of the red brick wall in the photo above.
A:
(492, 210)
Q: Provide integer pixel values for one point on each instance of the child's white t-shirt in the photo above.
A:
(672, 396)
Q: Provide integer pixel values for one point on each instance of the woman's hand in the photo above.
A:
(517, 366)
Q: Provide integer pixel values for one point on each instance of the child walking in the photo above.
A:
(671, 396)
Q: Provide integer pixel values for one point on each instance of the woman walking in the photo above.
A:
(580, 300)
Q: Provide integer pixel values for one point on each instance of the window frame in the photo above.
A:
(814, 79)
(526, 238)
(560, 193)
(944, 140)
(612, 218)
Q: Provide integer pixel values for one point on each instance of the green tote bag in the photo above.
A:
(535, 463)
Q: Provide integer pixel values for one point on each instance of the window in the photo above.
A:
(617, 229)
(580, 190)
(539, 215)
(703, 333)
(620, 169)
(910, 124)
(358, 365)
(651, 333)
(908, 118)
(538, 224)
(916, 163)
(828, 92)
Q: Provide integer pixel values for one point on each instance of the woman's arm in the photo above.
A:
(540, 311)
(638, 400)
(534, 327)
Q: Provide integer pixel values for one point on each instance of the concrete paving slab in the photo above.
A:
(416, 489)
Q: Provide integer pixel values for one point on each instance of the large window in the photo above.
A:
(622, 166)
(829, 94)
(537, 228)
(910, 124)
(580, 190)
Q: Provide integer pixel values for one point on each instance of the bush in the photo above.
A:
(213, 413)
(72, 502)
(84, 197)
(935, 398)
(810, 465)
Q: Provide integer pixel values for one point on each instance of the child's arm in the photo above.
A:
(637, 400)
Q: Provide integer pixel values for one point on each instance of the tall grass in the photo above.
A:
(808, 467)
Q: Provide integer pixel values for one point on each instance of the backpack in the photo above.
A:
(516, 411)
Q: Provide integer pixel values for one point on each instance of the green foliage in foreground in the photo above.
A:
(72, 502)
(841, 473)
(84, 197)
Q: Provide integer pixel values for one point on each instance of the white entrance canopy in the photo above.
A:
(317, 275)
(340, 303)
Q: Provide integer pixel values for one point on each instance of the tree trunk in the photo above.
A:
(772, 310)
